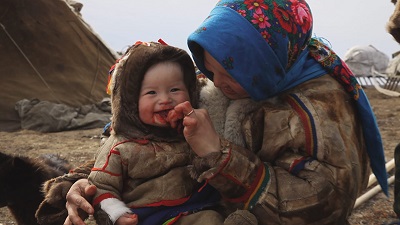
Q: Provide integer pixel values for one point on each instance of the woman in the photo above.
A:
(313, 131)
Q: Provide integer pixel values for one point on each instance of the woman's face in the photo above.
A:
(223, 80)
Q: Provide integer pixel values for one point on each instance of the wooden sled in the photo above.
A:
(389, 87)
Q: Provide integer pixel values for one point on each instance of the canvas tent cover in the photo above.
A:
(362, 60)
(47, 52)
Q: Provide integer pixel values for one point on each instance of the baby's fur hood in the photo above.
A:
(125, 88)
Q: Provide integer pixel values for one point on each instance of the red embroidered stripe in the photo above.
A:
(102, 197)
(167, 202)
(116, 152)
(219, 170)
(308, 124)
(104, 168)
(296, 162)
(260, 188)
(256, 183)
(106, 171)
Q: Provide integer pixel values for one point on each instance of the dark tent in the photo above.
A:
(48, 52)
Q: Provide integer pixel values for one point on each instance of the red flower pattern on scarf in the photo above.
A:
(261, 20)
(284, 19)
(301, 15)
(256, 5)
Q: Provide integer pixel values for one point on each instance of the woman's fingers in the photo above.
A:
(200, 133)
(184, 109)
(76, 201)
(179, 112)
(173, 118)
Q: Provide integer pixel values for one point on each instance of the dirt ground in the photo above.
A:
(80, 145)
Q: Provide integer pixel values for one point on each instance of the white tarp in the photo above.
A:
(363, 60)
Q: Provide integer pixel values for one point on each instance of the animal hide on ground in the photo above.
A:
(21, 180)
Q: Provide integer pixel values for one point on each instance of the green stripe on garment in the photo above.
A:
(255, 196)
(168, 221)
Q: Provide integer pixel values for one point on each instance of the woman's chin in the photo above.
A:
(231, 96)
(234, 95)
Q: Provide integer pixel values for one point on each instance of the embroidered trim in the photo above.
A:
(298, 164)
(260, 187)
(102, 197)
(174, 219)
(307, 119)
(261, 181)
(225, 149)
(116, 152)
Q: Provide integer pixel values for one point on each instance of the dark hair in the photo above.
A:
(128, 82)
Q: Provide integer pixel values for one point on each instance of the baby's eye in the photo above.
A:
(175, 89)
(150, 93)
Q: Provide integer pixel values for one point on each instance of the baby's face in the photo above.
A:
(162, 89)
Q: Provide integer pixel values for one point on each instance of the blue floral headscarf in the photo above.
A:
(266, 46)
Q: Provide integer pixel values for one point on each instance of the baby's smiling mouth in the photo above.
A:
(163, 113)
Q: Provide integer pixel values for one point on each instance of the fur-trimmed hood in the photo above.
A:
(126, 84)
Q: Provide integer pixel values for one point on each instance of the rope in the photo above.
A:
(97, 70)
(30, 63)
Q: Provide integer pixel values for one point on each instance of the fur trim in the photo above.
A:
(212, 99)
(236, 112)
(393, 26)
(114, 208)
(226, 115)
(118, 68)
(201, 164)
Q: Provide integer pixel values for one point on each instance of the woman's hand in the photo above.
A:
(77, 201)
(198, 128)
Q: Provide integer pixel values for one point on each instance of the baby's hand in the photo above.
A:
(127, 219)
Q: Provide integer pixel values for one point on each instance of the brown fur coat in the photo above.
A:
(284, 179)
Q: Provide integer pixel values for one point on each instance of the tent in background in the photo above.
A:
(362, 60)
(48, 52)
